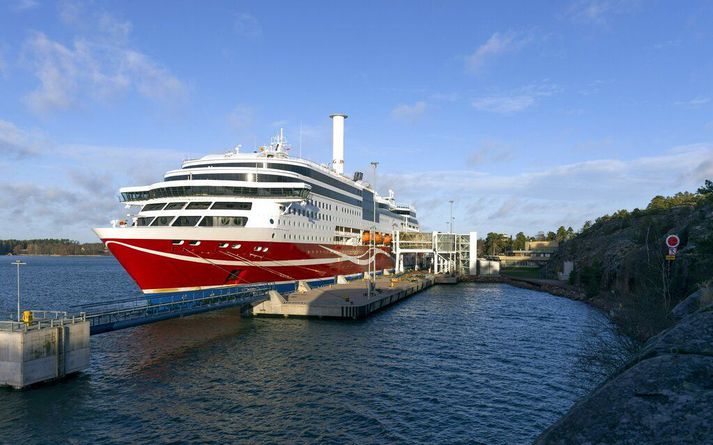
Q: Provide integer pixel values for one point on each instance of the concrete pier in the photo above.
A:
(44, 349)
(349, 300)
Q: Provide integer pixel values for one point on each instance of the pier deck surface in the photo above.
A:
(349, 300)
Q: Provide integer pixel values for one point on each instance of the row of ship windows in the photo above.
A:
(198, 206)
(302, 170)
(199, 190)
(221, 245)
(191, 221)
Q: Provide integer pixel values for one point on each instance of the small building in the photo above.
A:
(536, 253)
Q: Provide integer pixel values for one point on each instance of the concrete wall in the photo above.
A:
(43, 354)
(487, 267)
(567, 268)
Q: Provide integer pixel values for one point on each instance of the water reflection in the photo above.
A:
(455, 364)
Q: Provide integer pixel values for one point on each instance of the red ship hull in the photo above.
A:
(162, 266)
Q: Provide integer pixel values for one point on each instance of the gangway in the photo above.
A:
(126, 313)
(451, 253)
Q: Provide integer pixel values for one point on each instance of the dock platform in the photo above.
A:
(346, 301)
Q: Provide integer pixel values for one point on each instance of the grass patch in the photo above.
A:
(522, 272)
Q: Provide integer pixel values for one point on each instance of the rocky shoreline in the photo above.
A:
(663, 395)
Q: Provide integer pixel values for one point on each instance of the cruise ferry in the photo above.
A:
(250, 218)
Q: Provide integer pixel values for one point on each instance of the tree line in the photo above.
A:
(658, 204)
(499, 243)
(50, 247)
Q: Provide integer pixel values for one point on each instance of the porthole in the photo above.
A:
(272, 221)
(236, 246)
(265, 249)
(257, 249)
(195, 243)
(177, 242)
(223, 245)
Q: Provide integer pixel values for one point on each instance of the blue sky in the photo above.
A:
(529, 115)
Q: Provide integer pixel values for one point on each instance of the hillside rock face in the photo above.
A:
(620, 263)
(665, 395)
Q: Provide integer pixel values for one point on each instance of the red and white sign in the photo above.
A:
(673, 241)
(672, 250)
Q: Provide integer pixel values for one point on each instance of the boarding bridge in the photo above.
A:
(450, 253)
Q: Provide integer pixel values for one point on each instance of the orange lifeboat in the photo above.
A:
(387, 239)
(365, 237)
(378, 238)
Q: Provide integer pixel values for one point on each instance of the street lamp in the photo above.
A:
(18, 263)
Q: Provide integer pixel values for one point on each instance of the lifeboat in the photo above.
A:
(387, 240)
(365, 237)
(378, 238)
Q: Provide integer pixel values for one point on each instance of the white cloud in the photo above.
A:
(489, 150)
(497, 44)
(446, 97)
(598, 12)
(25, 5)
(17, 143)
(696, 102)
(515, 101)
(560, 195)
(241, 117)
(65, 190)
(247, 25)
(409, 113)
(95, 69)
(71, 12)
(504, 104)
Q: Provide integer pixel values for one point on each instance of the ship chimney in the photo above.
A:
(338, 142)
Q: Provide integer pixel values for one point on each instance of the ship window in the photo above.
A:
(236, 246)
(195, 243)
(238, 221)
(232, 206)
(175, 205)
(177, 242)
(186, 221)
(223, 245)
(154, 206)
(161, 221)
(224, 221)
(144, 221)
(198, 206)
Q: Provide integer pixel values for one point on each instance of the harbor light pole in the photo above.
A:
(18, 263)
(451, 220)
(372, 243)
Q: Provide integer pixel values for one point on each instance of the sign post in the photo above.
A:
(672, 242)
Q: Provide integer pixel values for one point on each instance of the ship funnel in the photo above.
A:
(338, 142)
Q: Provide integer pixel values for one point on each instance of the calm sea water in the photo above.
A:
(470, 363)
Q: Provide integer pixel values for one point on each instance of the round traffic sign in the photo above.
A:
(673, 241)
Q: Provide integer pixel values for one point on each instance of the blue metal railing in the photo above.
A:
(120, 314)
